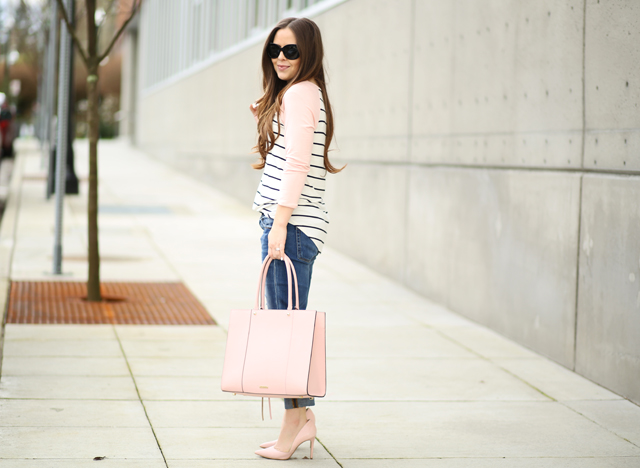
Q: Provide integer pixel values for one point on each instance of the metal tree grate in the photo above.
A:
(51, 302)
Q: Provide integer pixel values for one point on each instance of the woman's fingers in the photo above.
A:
(277, 241)
(276, 252)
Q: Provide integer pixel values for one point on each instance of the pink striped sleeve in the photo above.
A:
(301, 106)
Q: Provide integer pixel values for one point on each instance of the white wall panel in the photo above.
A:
(368, 67)
(498, 83)
(499, 247)
(608, 331)
(612, 77)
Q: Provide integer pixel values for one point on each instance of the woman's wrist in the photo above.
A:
(283, 214)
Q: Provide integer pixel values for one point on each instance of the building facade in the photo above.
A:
(493, 150)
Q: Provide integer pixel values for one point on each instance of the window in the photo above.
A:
(179, 35)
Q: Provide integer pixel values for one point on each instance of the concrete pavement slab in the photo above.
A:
(76, 366)
(176, 367)
(391, 342)
(80, 463)
(238, 413)
(621, 416)
(487, 343)
(180, 388)
(59, 348)
(68, 387)
(222, 444)
(78, 442)
(173, 348)
(293, 463)
(169, 332)
(72, 413)
(511, 462)
(58, 332)
(423, 380)
(464, 429)
(555, 380)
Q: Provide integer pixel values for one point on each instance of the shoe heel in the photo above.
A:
(311, 454)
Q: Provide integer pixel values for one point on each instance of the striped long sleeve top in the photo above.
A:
(294, 172)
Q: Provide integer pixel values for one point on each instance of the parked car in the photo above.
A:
(7, 127)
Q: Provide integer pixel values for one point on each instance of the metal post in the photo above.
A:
(62, 141)
(71, 179)
(41, 91)
(50, 84)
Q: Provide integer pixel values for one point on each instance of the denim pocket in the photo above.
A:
(307, 250)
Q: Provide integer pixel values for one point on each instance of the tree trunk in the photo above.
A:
(93, 285)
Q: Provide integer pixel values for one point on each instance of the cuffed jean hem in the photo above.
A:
(290, 403)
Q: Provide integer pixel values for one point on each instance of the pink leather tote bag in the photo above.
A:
(276, 353)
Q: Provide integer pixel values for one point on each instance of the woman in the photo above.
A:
(295, 128)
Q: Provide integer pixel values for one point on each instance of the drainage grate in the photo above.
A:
(60, 302)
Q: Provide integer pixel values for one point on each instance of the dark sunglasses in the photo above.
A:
(290, 51)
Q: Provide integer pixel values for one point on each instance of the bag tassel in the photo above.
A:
(262, 409)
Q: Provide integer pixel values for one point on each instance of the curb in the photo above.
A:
(8, 227)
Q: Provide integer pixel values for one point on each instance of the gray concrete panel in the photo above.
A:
(608, 348)
(616, 149)
(367, 47)
(207, 111)
(499, 248)
(612, 85)
(367, 206)
(232, 175)
(432, 67)
(548, 58)
(537, 149)
(498, 84)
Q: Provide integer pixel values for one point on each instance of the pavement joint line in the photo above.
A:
(578, 256)
(597, 423)
(329, 452)
(144, 408)
(453, 340)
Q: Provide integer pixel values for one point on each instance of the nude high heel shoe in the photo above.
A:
(310, 417)
(307, 433)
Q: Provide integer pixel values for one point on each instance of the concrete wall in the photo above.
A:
(493, 151)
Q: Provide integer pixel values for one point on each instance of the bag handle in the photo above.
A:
(261, 302)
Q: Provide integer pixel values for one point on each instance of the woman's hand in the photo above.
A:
(277, 241)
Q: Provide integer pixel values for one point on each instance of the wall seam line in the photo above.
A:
(578, 236)
(412, 40)
(579, 171)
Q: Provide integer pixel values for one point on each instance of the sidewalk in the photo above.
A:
(410, 384)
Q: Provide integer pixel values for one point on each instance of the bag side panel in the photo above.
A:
(318, 368)
(234, 355)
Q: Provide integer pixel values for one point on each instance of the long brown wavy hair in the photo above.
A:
(309, 43)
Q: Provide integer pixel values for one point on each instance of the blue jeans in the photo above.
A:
(302, 252)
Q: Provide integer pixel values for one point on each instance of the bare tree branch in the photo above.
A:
(76, 40)
(134, 10)
(104, 20)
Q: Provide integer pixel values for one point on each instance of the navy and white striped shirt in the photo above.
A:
(310, 214)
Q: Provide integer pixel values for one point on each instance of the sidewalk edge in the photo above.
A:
(8, 229)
